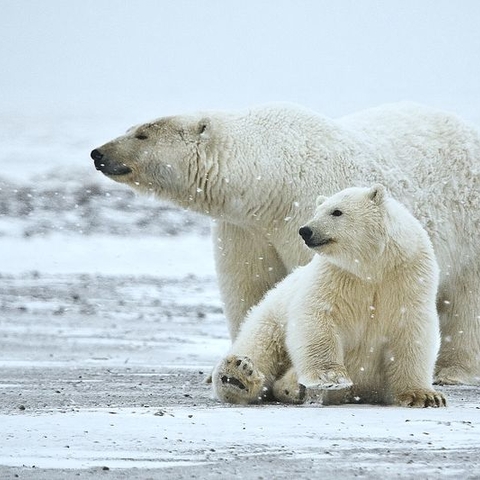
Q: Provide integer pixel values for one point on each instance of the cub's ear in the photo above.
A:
(203, 127)
(320, 200)
(377, 194)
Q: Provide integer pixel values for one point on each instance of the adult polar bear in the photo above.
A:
(257, 173)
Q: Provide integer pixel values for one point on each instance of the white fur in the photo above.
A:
(362, 312)
(256, 173)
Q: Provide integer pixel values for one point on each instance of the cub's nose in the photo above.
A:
(306, 233)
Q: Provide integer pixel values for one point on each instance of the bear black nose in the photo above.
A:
(306, 233)
(107, 165)
(96, 155)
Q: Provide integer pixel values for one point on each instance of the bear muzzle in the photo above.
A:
(310, 239)
(108, 166)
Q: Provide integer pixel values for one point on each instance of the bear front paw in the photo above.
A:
(335, 378)
(237, 380)
(288, 390)
(421, 399)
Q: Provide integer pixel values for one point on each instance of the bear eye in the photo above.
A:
(337, 213)
(141, 136)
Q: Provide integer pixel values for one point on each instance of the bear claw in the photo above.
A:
(422, 399)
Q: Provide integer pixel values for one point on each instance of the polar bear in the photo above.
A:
(254, 172)
(361, 314)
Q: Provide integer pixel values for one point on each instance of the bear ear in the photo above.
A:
(377, 194)
(320, 200)
(203, 127)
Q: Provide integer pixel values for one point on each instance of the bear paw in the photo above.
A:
(452, 376)
(421, 398)
(288, 390)
(237, 380)
(335, 378)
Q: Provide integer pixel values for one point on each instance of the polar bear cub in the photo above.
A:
(360, 317)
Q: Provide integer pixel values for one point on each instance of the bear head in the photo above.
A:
(349, 228)
(161, 157)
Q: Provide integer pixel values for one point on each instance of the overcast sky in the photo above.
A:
(161, 57)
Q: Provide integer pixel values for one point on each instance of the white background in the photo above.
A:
(152, 58)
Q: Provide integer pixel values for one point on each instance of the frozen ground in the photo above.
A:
(104, 375)
(110, 323)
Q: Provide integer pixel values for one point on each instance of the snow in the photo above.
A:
(309, 432)
(72, 79)
(110, 256)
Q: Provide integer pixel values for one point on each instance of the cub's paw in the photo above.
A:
(421, 398)
(334, 378)
(237, 380)
(451, 376)
(288, 390)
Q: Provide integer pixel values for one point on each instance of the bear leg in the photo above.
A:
(242, 278)
(459, 309)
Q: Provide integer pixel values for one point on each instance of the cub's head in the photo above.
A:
(349, 227)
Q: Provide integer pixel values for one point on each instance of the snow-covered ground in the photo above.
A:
(110, 314)
(107, 371)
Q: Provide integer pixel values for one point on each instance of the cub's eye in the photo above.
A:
(337, 213)
(141, 136)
